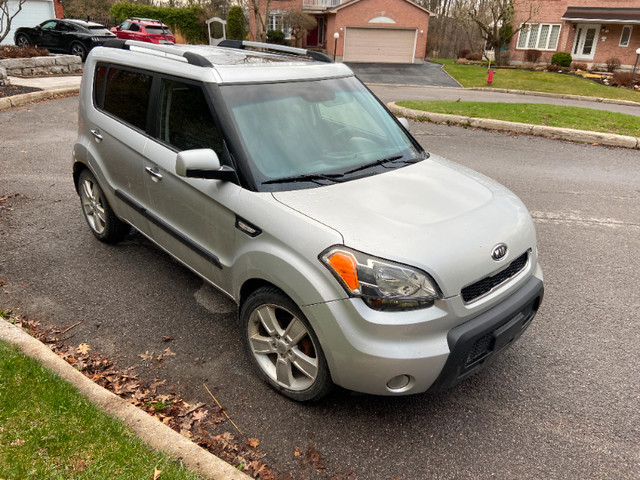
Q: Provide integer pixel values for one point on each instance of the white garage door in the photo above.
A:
(379, 45)
(33, 13)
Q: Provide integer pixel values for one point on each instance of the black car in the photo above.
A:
(76, 37)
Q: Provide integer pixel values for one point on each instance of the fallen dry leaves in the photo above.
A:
(197, 422)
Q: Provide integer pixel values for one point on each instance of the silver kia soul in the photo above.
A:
(355, 257)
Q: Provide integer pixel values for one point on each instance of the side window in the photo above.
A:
(126, 95)
(125, 25)
(185, 121)
(98, 86)
(134, 27)
(49, 25)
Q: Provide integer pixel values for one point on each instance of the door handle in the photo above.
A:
(153, 172)
(96, 133)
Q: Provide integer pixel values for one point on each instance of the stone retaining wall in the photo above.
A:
(54, 64)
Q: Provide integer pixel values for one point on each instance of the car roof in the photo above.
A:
(146, 21)
(223, 64)
(82, 23)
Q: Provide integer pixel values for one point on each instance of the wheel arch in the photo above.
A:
(78, 167)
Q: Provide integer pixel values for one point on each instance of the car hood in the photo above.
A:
(435, 215)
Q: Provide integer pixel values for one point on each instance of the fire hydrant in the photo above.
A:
(490, 77)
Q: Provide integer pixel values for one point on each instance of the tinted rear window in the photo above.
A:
(157, 30)
(126, 95)
(100, 31)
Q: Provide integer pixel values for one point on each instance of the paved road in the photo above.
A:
(563, 403)
(400, 92)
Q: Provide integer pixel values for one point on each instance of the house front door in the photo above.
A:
(585, 41)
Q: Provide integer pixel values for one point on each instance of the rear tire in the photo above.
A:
(283, 347)
(103, 222)
(79, 50)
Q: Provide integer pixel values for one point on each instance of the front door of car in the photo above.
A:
(50, 35)
(191, 218)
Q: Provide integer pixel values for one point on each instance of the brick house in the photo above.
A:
(591, 32)
(381, 31)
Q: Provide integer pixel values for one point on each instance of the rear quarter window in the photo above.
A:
(123, 94)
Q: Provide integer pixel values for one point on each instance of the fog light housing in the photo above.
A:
(400, 383)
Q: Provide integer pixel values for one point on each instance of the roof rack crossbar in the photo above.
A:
(191, 57)
(318, 56)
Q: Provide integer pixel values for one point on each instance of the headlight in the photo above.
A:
(382, 284)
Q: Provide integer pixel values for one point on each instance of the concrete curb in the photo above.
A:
(18, 100)
(570, 134)
(150, 430)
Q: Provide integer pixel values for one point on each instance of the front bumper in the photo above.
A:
(433, 349)
(475, 343)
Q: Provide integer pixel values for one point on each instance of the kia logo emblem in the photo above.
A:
(499, 252)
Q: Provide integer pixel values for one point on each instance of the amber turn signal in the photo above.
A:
(345, 265)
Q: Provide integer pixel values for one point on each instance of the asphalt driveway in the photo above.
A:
(427, 74)
(562, 403)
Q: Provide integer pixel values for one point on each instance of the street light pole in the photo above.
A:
(336, 36)
(635, 64)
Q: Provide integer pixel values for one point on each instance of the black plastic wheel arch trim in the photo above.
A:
(203, 252)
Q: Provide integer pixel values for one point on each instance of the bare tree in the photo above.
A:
(260, 9)
(300, 24)
(495, 19)
(88, 9)
(7, 15)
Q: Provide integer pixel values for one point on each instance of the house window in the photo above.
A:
(626, 35)
(276, 22)
(539, 36)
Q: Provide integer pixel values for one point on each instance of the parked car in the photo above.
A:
(75, 37)
(144, 30)
(355, 257)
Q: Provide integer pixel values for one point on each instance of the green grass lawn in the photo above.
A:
(49, 431)
(538, 114)
(549, 82)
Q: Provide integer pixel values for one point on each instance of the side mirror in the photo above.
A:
(118, 27)
(404, 122)
(202, 163)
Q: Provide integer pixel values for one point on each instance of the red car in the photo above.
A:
(144, 30)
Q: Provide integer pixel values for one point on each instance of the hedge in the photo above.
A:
(186, 20)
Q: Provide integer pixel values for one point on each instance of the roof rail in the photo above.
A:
(242, 44)
(167, 51)
(140, 19)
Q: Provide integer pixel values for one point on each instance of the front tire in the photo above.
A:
(22, 40)
(283, 347)
(103, 222)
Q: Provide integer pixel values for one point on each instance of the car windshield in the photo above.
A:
(298, 134)
(157, 30)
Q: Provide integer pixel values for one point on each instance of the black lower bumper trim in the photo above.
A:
(474, 343)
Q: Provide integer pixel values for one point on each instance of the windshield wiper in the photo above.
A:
(380, 161)
(307, 177)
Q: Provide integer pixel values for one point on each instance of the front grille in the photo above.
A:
(484, 286)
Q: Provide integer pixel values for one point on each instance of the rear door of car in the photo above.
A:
(192, 218)
(117, 130)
